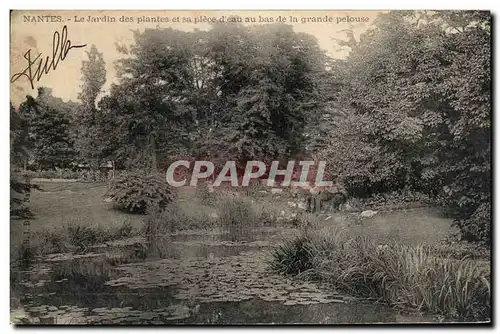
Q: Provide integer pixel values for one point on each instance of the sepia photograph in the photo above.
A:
(274, 167)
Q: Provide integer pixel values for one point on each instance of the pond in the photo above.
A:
(187, 278)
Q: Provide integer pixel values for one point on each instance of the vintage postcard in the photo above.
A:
(250, 167)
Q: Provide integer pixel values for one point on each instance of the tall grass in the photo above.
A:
(89, 273)
(298, 256)
(234, 216)
(405, 277)
(83, 236)
(72, 237)
(239, 218)
(175, 217)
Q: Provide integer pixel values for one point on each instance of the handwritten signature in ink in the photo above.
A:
(39, 66)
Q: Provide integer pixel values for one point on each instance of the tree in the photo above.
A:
(20, 186)
(148, 109)
(418, 86)
(49, 130)
(88, 122)
(232, 92)
(266, 85)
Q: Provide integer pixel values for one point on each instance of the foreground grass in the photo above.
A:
(406, 277)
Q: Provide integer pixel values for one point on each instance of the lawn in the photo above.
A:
(410, 226)
(61, 204)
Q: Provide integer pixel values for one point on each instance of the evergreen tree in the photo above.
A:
(87, 121)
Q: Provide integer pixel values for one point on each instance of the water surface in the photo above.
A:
(188, 278)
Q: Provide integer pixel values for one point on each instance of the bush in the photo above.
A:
(298, 255)
(475, 226)
(136, 192)
(403, 276)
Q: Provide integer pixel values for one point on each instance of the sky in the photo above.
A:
(65, 80)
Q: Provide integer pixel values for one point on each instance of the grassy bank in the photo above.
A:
(74, 217)
(67, 238)
(406, 277)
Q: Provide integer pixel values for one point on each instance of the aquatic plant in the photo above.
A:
(293, 256)
(174, 217)
(407, 277)
(238, 217)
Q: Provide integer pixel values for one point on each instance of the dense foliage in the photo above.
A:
(138, 191)
(418, 90)
(233, 92)
(87, 123)
(49, 130)
(20, 186)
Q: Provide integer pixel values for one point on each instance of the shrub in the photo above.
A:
(137, 191)
(475, 226)
(299, 255)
